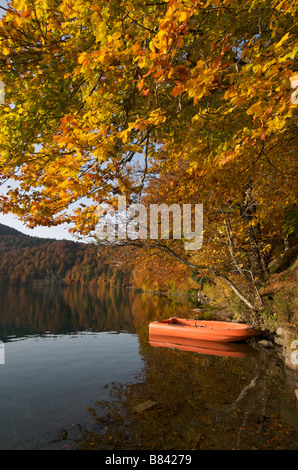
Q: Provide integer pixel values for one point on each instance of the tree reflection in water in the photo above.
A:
(203, 401)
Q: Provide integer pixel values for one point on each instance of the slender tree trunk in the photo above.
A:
(236, 290)
(253, 233)
(231, 247)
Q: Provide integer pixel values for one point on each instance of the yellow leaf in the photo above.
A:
(283, 39)
(142, 62)
(182, 16)
(255, 109)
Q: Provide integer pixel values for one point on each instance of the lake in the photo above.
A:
(78, 372)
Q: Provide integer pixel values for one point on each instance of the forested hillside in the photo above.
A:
(26, 260)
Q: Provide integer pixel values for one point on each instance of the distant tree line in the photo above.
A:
(26, 260)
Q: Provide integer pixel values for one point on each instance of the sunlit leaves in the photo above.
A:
(97, 84)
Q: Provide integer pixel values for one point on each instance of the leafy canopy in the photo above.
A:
(104, 95)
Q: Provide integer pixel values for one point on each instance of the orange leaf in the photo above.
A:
(146, 92)
(140, 85)
(177, 90)
(64, 120)
(26, 14)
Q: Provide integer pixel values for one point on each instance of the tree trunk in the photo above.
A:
(213, 271)
(253, 233)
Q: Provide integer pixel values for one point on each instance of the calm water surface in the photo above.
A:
(78, 362)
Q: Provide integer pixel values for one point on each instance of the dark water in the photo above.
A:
(78, 363)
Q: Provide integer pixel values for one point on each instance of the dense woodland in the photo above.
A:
(27, 260)
(31, 260)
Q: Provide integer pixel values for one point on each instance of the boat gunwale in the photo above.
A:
(212, 324)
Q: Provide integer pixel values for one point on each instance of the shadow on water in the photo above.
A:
(185, 400)
(180, 398)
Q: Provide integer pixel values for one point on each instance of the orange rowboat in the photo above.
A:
(219, 331)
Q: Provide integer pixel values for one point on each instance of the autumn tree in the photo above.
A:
(113, 97)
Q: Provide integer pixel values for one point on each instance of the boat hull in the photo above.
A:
(176, 328)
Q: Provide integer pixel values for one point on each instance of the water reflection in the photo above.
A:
(204, 402)
(209, 400)
(204, 347)
(38, 311)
